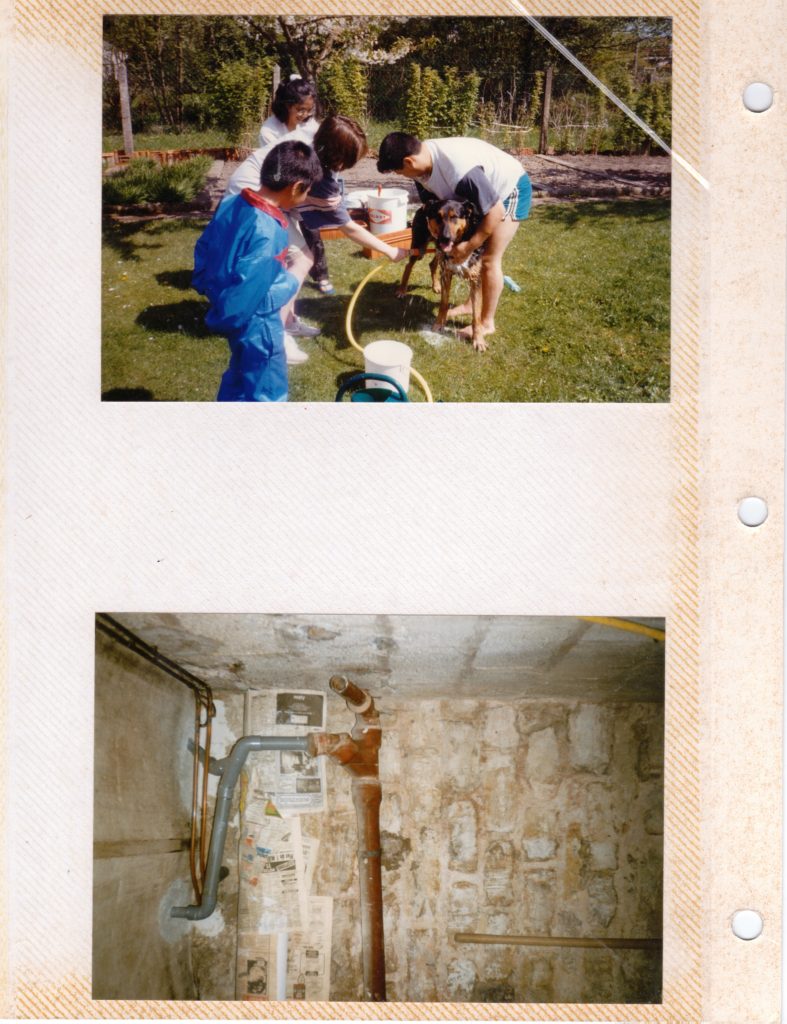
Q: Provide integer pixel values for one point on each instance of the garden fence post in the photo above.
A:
(121, 74)
(543, 141)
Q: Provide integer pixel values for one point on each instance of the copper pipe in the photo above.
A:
(195, 877)
(367, 795)
(358, 753)
(203, 828)
(554, 940)
(358, 700)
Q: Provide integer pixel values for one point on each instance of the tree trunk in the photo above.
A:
(543, 142)
(121, 74)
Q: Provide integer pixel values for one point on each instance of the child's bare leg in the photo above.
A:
(463, 309)
(299, 262)
(491, 278)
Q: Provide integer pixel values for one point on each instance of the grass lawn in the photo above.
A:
(591, 323)
(212, 138)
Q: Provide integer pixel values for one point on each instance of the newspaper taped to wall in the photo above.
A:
(261, 966)
(309, 954)
(293, 781)
(273, 864)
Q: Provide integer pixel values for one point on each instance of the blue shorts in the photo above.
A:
(258, 364)
(517, 204)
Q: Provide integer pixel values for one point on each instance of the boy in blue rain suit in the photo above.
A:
(240, 265)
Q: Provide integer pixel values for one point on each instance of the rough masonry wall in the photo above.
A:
(143, 783)
(536, 817)
(141, 824)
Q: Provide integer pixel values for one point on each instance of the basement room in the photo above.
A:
(370, 808)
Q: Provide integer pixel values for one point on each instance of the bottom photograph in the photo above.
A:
(409, 808)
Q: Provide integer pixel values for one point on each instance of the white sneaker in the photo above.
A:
(298, 329)
(294, 354)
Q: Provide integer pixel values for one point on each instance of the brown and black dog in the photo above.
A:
(447, 222)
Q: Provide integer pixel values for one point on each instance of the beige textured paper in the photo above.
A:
(516, 509)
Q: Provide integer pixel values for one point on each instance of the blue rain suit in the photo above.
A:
(239, 264)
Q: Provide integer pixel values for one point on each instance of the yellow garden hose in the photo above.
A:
(627, 625)
(351, 337)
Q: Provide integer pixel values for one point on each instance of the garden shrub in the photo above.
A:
(145, 181)
(238, 96)
(435, 103)
(416, 119)
(342, 88)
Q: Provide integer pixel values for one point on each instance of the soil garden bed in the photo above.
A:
(563, 178)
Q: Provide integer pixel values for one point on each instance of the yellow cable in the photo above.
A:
(351, 337)
(627, 625)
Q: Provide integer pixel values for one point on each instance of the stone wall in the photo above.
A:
(536, 817)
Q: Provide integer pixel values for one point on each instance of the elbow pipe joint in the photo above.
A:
(229, 777)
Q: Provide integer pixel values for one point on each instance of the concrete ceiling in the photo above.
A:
(411, 656)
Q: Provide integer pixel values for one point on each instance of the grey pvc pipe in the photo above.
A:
(233, 764)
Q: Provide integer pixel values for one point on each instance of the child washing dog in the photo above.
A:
(473, 170)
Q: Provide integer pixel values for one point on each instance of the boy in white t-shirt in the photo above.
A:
(464, 168)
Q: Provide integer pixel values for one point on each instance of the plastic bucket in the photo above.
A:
(390, 357)
(387, 211)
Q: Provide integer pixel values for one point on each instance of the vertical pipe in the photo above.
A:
(366, 794)
(196, 874)
(229, 777)
(358, 754)
(203, 835)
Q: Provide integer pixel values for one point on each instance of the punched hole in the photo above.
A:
(752, 511)
(757, 97)
(747, 924)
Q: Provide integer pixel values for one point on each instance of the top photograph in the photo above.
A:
(386, 209)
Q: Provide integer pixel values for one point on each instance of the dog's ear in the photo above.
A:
(432, 207)
(470, 211)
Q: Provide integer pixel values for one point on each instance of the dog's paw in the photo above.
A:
(401, 293)
(438, 326)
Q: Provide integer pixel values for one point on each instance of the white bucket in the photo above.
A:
(391, 358)
(387, 211)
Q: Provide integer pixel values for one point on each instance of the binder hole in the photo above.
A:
(747, 924)
(757, 97)
(752, 511)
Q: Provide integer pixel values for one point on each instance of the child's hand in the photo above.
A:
(399, 255)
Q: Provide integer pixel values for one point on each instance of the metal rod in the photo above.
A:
(118, 632)
(555, 940)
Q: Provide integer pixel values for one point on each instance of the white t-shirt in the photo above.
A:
(274, 130)
(248, 174)
(472, 169)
